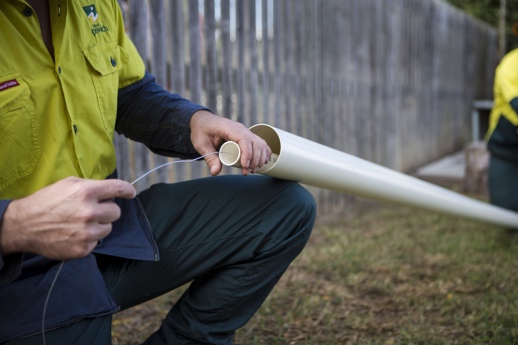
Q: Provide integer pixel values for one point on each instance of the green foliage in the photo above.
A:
(486, 10)
(489, 12)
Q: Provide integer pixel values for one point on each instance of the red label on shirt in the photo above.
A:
(7, 84)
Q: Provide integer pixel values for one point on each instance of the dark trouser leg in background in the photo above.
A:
(503, 183)
(233, 236)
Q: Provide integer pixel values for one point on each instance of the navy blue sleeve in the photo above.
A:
(514, 104)
(149, 114)
(10, 265)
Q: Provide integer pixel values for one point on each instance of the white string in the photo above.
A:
(63, 261)
(174, 162)
(47, 301)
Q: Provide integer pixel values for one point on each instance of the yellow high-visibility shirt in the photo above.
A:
(505, 90)
(57, 114)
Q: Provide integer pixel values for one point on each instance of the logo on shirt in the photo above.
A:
(8, 84)
(93, 17)
(91, 13)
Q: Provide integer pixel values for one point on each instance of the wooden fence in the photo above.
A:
(391, 81)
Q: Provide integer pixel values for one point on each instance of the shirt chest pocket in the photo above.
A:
(19, 146)
(105, 62)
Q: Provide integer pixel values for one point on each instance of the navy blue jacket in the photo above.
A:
(80, 292)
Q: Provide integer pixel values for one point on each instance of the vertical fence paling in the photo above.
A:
(226, 54)
(265, 61)
(158, 66)
(390, 81)
(177, 76)
(138, 28)
(211, 73)
(241, 20)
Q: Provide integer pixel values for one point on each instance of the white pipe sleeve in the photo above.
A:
(298, 159)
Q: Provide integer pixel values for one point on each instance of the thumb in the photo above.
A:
(214, 164)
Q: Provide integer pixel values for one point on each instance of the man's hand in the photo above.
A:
(64, 220)
(209, 132)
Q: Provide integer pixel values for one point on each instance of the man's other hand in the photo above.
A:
(64, 220)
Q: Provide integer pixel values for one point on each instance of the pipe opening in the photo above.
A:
(229, 154)
(268, 134)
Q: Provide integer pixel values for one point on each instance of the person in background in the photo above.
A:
(72, 233)
(502, 135)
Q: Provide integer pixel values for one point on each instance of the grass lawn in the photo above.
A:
(383, 274)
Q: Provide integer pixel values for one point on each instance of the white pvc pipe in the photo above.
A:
(298, 159)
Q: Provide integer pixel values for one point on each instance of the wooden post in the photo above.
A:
(477, 164)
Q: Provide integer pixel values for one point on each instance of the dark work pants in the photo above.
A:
(503, 183)
(232, 236)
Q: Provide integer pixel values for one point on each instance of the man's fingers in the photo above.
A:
(101, 231)
(246, 155)
(109, 189)
(108, 212)
(82, 249)
(254, 154)
(258, 156)
(262, 158)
